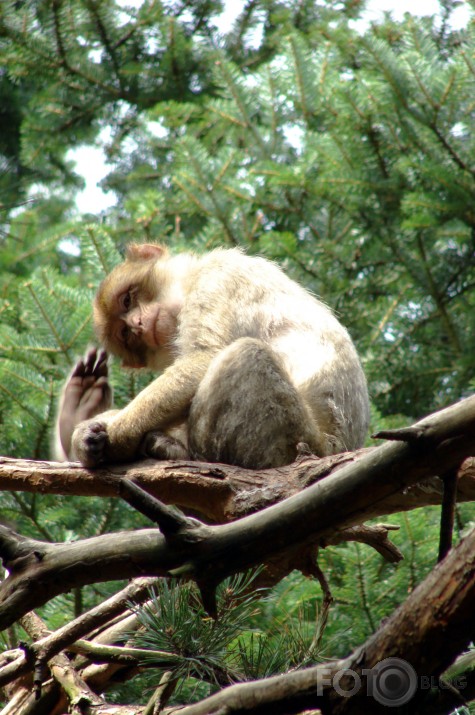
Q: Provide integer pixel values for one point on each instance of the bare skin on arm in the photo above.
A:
(250, 365)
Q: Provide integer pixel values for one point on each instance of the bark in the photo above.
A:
(221, 493)
(277, 516)
(209, 554)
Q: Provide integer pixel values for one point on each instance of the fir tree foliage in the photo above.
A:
(344, 154)
(41, 340)
(238, 646)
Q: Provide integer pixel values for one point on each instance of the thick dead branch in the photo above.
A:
(209, 554)
(222, 493)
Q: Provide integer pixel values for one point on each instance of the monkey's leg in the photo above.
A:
(247, 412)
(161, 445)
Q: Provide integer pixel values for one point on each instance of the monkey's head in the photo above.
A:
(132, 318)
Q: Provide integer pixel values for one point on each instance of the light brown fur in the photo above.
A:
(253, 364)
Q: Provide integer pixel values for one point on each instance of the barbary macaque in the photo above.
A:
(252, 366)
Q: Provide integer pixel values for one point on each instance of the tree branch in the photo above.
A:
(434, 624)
(209, 554)
(221, 492)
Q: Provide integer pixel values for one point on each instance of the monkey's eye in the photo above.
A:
(125, 300)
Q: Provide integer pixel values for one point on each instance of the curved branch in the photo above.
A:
(210, 553)
(426, 633)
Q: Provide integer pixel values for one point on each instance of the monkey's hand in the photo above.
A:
(86, 393)
(90, 443)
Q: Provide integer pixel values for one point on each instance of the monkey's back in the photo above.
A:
(231, 295)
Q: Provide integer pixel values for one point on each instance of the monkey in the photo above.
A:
(252, 366)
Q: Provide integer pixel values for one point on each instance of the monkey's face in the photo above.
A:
(131, 315)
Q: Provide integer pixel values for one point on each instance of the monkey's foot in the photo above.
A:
(157, 445)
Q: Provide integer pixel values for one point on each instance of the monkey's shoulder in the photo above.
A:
(230, 295)
(241, 278)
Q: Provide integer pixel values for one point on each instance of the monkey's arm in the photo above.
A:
(165, 402)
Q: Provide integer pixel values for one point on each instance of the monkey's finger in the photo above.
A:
(90, 360)
(83, 365)
(79, 369)
(87, 382)
(73, 393)
(101, 368)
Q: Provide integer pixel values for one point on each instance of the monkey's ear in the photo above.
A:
(145, 251)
